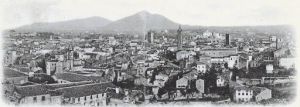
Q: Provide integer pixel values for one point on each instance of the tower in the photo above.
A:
(227, 40)
(179, 38)
(150, 37)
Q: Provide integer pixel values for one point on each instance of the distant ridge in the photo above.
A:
(77, 25)
(140, 22)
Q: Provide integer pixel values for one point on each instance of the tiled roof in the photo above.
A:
(32, 90)
(71, 77)
(78, 78)
(9, 73)
(86, 90)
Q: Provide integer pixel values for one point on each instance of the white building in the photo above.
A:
(269, 68)
(201, 67)
(242, 94)
(287, 62)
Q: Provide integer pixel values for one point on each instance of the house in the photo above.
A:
(220, 81)
(88, 94)
(200, 85)
(36, 94)
(269, 68)
(54, 66)
(160, 80)
(10, 58)
(182, 83)
(201, 67)
(261, 93)
(242, 94)
(223, 79)
(219, 52)
(287, 62)
(184, 54)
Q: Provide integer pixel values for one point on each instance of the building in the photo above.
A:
(220, 81)
(287, 63)
(150, 37)
(269, 68)
(179, 38)
(242, 94)
(182, 83)
(201, 67)
(10, 58)
(112, 41)
(184, 54)
(227, 40)
(261, 93)
(219, 52)
(200, 86)
(35, 94)
(54, 66)
(89, 94)
(14, 77)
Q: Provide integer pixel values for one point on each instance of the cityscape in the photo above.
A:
(146, 59)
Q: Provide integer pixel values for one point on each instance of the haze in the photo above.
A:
(193, 12)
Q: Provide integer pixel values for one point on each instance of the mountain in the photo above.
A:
(77, 25)
(140, 22)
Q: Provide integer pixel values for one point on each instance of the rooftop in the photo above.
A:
(9, 73)
(86, 90)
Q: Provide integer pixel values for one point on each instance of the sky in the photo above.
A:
(16, 13)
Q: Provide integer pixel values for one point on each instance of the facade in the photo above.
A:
(201, 67)
(89, 94)
(35, 94)
(242, 94)
(261, 93)
(200, 85)
(10, 58)
(54, 67)
(269, 68)
(287, 62)
(184, 54)
(220, 81)
(182, 83)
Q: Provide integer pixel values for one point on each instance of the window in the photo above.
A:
(242, 93)
(34, 99)
(239, 93)
(246, 93)
(91, 96)
(85, 98)
(78, 99)
(43, 98)
(97, 96)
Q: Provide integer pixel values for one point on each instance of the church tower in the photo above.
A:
(179, 38)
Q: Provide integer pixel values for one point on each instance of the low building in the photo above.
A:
(242, 94)
(200, 86)
(14, 77)
(182, 83)
(201, 67)
(89, 94)
(261, 93)
(269, 68)
(36, 94)
(287, 62)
